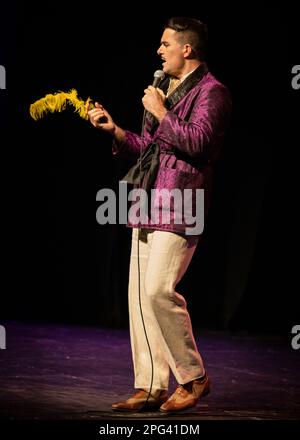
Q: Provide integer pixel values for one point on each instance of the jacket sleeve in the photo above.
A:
(205, 127)
(132, 144)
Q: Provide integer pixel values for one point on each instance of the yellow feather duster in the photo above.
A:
(57, 102)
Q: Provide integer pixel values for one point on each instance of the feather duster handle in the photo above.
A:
(57, 102)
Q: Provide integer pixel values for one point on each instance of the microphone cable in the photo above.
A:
(158, 76)
(139, 278)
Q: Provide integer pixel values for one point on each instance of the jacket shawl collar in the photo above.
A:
(180, 92)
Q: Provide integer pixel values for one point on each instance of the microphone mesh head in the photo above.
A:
(159, 74)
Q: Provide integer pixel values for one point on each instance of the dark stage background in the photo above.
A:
(241, 275)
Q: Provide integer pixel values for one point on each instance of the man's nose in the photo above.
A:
(159, 50)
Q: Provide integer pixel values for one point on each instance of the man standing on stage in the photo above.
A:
(184, 127)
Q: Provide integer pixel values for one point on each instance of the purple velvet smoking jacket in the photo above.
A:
(189, 137)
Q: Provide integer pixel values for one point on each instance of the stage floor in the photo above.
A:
(61, 372)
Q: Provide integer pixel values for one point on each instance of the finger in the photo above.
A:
(96, 109)
(161, 92)
(97, 115)
(98, 105)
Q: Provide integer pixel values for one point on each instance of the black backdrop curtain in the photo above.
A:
(238, 277)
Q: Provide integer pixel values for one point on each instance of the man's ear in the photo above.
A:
(187, 51)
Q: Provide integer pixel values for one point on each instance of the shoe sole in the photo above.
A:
(141, 409)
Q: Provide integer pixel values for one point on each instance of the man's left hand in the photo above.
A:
(153, 101)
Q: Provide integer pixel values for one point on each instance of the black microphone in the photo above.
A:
(158, 77)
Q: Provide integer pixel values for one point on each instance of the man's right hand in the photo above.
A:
(97, 113)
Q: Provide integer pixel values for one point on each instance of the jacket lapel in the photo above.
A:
(186, 86)
(180, 92)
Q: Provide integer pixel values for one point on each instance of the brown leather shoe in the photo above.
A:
(138, 400)
(186, 396)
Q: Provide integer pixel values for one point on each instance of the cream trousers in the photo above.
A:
(164, 258)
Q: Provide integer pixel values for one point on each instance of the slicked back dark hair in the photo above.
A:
(193, 31)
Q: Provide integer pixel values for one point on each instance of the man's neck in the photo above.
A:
(189, 68)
